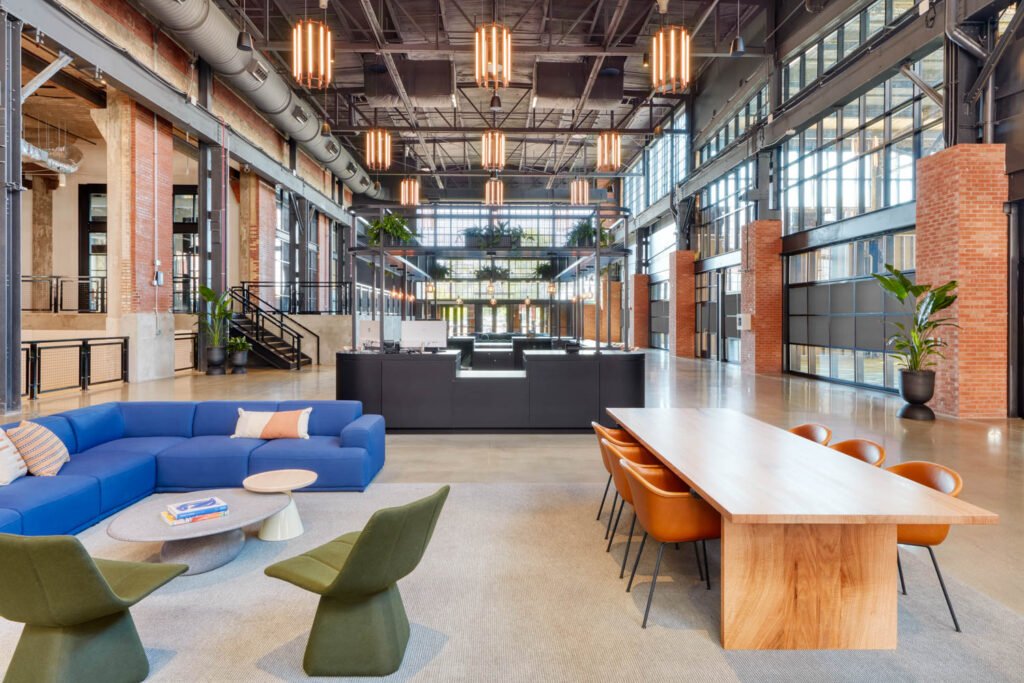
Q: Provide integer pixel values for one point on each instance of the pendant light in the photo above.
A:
(579, 192)
(494, 192)
(410, 191)
(312, 54)
(378, 148)
(551, 288)
(670, 59)
(494, 302)
(526, 301)
(609, 151)
(492, 64)
(244, 41)
(492, 149)
(737, 47)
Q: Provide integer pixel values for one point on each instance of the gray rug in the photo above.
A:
(516, 586)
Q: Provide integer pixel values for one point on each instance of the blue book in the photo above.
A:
(194, 508)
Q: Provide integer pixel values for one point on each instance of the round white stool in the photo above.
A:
(285, 524)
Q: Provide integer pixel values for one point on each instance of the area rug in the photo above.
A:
(517, 586)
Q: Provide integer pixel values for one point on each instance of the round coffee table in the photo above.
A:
(202, 545)
(285, 524)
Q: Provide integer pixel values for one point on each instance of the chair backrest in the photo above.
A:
(617, 436)
(634, 453)
(389, 547)
(863, 449)
(814, 432)
(930, 474)
(665, 507)
(51, 581)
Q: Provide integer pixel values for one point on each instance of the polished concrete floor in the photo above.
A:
(988, 454)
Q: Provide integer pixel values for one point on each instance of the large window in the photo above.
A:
(860, 158)
(723, 208)
(746, 116)
(660, 167)
(444, 225)
(838, 317)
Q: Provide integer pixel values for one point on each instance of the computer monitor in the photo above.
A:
(424, 334)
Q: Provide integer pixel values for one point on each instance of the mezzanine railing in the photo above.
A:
(57, 364)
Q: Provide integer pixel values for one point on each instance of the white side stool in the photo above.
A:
(285, 524)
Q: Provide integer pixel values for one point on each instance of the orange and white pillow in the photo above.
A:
(288, 424)
(11, 464)
(42, 450)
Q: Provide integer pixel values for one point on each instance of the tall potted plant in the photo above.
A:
(214, 325)
(391, 228)
(916, 345)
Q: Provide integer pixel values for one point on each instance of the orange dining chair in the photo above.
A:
(669, 513)
(814, 432)
(619, 436)
(941, 479)
(639, 456)
(867, 451)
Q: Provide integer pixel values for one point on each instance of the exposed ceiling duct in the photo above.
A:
(428, 82)
(204, 28)
(63, 159)
(560, 85)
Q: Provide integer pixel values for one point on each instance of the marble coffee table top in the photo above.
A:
(143, 522)
(279, 481)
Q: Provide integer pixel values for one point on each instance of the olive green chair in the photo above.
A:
(360, 627)
(75, 610)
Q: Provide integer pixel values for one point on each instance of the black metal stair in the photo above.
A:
(273, 334)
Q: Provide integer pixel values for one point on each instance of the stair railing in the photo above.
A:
(262, 312)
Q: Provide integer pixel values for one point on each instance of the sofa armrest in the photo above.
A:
(365, 432)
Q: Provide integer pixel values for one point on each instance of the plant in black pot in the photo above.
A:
(499, 235)
(492, 273)
(391, 228)
(214, 325)
(584, 234)
(916, 345)
(439, 271)
(545, 271)
(239, 348)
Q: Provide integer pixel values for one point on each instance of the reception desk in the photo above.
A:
(433, 392)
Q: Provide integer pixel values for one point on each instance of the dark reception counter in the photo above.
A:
(431, 391)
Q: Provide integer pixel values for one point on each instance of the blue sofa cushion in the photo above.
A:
(95, 425)
(10, 522)
(328, 417)
(56, 424)
(124, 477)
(158, 418)
(52, 505)
(218, 418)
(338, 468)
(204, 462)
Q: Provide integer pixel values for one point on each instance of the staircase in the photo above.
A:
(275, 336)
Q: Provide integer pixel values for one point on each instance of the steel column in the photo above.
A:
(10, 215)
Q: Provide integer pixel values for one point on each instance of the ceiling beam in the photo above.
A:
(528, 50)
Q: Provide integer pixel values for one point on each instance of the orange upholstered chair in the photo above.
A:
(638, 455)
(814, 432)
(669, 513)
(868, 451)
(618, 436)
(942, 479)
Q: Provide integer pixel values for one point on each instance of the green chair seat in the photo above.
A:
(75, 610)
(360, 627)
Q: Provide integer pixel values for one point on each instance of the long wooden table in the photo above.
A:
(808, 534)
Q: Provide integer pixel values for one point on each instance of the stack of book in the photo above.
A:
(198, 510)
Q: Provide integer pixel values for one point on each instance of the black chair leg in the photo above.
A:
(654, 582)
(696, 554)
(607, 486)
(629, 541)
(945, 593)
(615, 528)
(707, 573)
(615, 501)
(899, 567)
(636, 563)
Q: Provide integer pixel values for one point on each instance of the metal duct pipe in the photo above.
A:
(203, 27)
(30, 151)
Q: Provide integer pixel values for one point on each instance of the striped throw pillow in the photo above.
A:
(11, 465)
(43, 452)
(287, 424)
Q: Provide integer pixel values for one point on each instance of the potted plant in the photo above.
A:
(392, 228)
(499, 235)
(545, 271)
(916, 345)
(239, 348)
(492, 273)
(439, 271)
(214, 325)
(584, 234)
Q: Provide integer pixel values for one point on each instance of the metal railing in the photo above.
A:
(270, 320)
(305, 297)
(63, 294)
(186, 351)
(57, 364)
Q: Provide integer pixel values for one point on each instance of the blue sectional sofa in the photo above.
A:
(122, 452)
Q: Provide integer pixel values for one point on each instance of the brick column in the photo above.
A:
(257, 225)
(589, 313)
(640, 328)
(962, 235)
(682, 307)
(761, 296)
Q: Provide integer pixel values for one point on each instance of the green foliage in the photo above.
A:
(389, 224)
(439, 271)
(584, 233)
(214, 322)
(545, 271)
(916, 344)
(492, 273)
(492, 236)
(238, 344)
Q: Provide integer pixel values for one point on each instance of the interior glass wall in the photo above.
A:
(717, 314)
(723, 209)
(659, 314)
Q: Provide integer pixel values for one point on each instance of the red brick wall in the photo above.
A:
(150, 215)
(641, 292)
(683, 307)
(127, 16)
(258, 221)
(761, 296)
(616, 305)
(962, 235)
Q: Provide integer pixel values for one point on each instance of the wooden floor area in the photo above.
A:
(989, 454)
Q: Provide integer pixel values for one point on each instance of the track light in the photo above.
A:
(495, 102)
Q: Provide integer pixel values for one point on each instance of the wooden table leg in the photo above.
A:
(808, 586)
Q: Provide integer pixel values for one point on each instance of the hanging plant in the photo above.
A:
(387, 226)
(583, 234)
(545, 271)
(492, 273)
(439, 271)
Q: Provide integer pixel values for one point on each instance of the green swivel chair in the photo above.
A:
(360, 627)
(75, 610)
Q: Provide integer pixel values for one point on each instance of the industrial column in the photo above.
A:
(10, 215)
